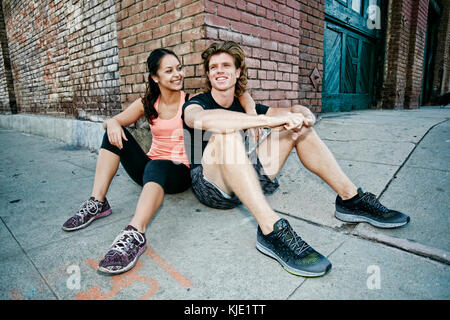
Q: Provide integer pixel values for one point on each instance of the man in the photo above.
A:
(223, 175)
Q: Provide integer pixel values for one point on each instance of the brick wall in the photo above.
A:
(404, 61)
(64, 56)
(441, 83)
(312, 17)
(143, 26)
(6, 85)
(269, 32)
(283, 41)
(415, 62)
(85, 58)
(397, 49)
(4, 97)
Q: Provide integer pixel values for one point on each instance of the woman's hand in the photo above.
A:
(115, 133)
(255, 134)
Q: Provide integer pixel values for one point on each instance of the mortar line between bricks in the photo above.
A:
(31, 261)
(409, 155)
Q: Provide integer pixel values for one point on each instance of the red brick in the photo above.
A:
(241, 27)
(194, 34)
(144, 36)
(181, 25)
(248, 18)
(192, 58)
(266, 84)
(268, 65)
(192, 9)
(171, 40)
(161, 31)
(228, 12)
(260, 53)
(216, 21)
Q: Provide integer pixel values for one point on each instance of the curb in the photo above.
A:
(405, 244)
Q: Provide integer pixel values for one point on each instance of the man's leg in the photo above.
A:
(226, 165)
(316, 157)
(312, 152)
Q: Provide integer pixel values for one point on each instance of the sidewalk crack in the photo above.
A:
(31, 261)
(306, 279)
(407, 158)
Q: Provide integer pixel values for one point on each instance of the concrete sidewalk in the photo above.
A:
(196, 252)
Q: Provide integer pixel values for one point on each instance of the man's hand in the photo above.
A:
(311, 119)
(115, 133)
(288, 121)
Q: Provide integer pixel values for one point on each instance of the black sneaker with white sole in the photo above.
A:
(365, 207)
(293, 253)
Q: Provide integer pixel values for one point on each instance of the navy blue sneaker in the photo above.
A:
(365, 207)
(294, 254)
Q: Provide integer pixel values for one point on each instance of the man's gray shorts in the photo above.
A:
(211, 196)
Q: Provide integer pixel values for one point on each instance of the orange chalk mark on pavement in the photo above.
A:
(125, 280)
(185, 282)
(119, 282)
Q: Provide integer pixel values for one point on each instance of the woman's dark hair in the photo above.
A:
(152, 93)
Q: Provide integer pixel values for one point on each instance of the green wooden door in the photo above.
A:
(349, 54)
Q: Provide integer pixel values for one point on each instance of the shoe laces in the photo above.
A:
(371, 202)
(125, 240)
(88, 207)
(292, 240)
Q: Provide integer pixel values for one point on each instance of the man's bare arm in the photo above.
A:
(309, 116)
(223, 121)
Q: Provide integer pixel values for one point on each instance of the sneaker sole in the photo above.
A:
(289, 269)
(101, 215)
(126, 268)
(355, 219)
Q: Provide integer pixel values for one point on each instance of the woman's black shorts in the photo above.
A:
(171, 176)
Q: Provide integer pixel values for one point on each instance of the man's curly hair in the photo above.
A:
(233, 49)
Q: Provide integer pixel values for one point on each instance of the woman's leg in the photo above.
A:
(132, 157)
(160, 177)
(150, 200)
(107, 165)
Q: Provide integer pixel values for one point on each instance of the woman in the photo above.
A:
(164, 169)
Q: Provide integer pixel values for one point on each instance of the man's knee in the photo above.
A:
(228, 148)
(305, 112)
(304, 133)
(221, 138)
(300, 109)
